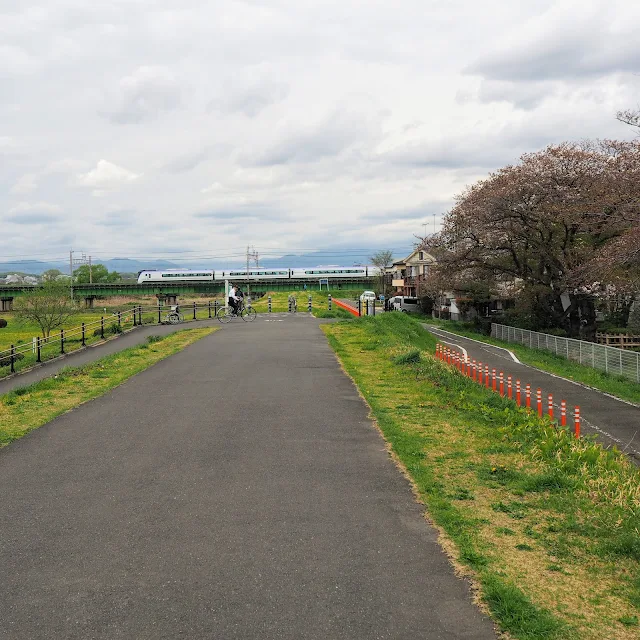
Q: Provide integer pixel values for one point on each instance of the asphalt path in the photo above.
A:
(237, 489)
(614, 422)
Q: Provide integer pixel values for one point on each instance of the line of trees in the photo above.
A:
(558, 232)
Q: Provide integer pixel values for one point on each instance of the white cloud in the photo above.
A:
(105, 177)
(25, 184)
(144, 94)
(35, 207)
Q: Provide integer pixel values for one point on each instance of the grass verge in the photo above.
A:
(547, 526)
(319, 302)
(27, 408)
(614, 385)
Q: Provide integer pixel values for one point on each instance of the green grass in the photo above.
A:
(26, 408)
(546, 361)
(547, 524)
(319, 301)
(21, 334)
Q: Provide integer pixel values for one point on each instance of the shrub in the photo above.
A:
(410, 357)
(152, 339)
(5, 361)
(3, 323)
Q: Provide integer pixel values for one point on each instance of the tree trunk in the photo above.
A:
(587, 319)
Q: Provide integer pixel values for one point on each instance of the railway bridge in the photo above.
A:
(170, 291)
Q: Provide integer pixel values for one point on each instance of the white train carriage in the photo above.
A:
(175, 275)
(323, 273)
(252, 274)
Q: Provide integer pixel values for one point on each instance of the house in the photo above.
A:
(407, 274)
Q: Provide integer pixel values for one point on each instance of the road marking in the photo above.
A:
(485, 344)
(455, 344)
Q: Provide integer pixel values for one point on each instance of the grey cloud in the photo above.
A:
(143, 95)
(526, 96)
(326, 139)
(187, 162)
(243, 212)
(33, 218)
(423, 212)
(450, 154)
(120, 218)
(569, 53)
(250, 100)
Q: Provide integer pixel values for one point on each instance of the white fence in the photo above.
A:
(599, 356)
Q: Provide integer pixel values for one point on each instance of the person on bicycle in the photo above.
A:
(233, 299)
(240, 298)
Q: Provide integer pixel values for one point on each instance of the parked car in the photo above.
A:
(404, 304)
(368, 295)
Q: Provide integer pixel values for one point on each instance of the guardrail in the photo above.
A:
(24, 355)
(598, 356)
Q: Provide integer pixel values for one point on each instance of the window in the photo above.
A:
(421, 255)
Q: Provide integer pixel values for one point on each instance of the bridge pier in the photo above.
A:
(6, 304)
(172, 299)
(88, 302)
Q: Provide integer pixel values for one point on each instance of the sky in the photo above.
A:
(155, 128)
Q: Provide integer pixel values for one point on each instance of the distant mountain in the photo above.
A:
(133, 265)
(128, 265)
(32, 267)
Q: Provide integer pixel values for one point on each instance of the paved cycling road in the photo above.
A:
(235, 490)
(114, 345)
(615, 422)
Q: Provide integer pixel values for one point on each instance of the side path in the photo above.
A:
(615, 422)
(94, 352)
(235, 490)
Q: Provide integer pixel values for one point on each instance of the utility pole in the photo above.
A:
(251, 255)
(71, 271)
(90, 273)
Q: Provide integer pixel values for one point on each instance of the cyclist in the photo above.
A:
(240, 298)
(233, 300)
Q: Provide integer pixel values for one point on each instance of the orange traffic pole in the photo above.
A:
(480, 373)
(563, 413)
(528, 396)
(474, 371)
(550, 406)
(509, 388)
(577, 421)
(518, 392)
(539, 401)
(502, 384)
(493, 376)
(486, 376)
(468, 367)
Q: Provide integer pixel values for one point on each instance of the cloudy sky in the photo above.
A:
(191, 129)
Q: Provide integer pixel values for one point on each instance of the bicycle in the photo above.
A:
(248, 314)
(173, 317)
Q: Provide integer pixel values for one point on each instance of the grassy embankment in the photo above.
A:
(319, 302)
(615, 385)
(547, 526)
(27, 408)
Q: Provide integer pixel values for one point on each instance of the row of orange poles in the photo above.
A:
(496, 381)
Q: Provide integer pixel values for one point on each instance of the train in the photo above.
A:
(208, 275)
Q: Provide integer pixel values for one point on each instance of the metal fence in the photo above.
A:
(599, 356)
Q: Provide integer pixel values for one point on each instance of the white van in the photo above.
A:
(404, 304)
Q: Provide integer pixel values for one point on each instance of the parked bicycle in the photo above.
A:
(173, 316)
(248, 314)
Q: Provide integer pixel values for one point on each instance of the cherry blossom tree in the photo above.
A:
(536, 224)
